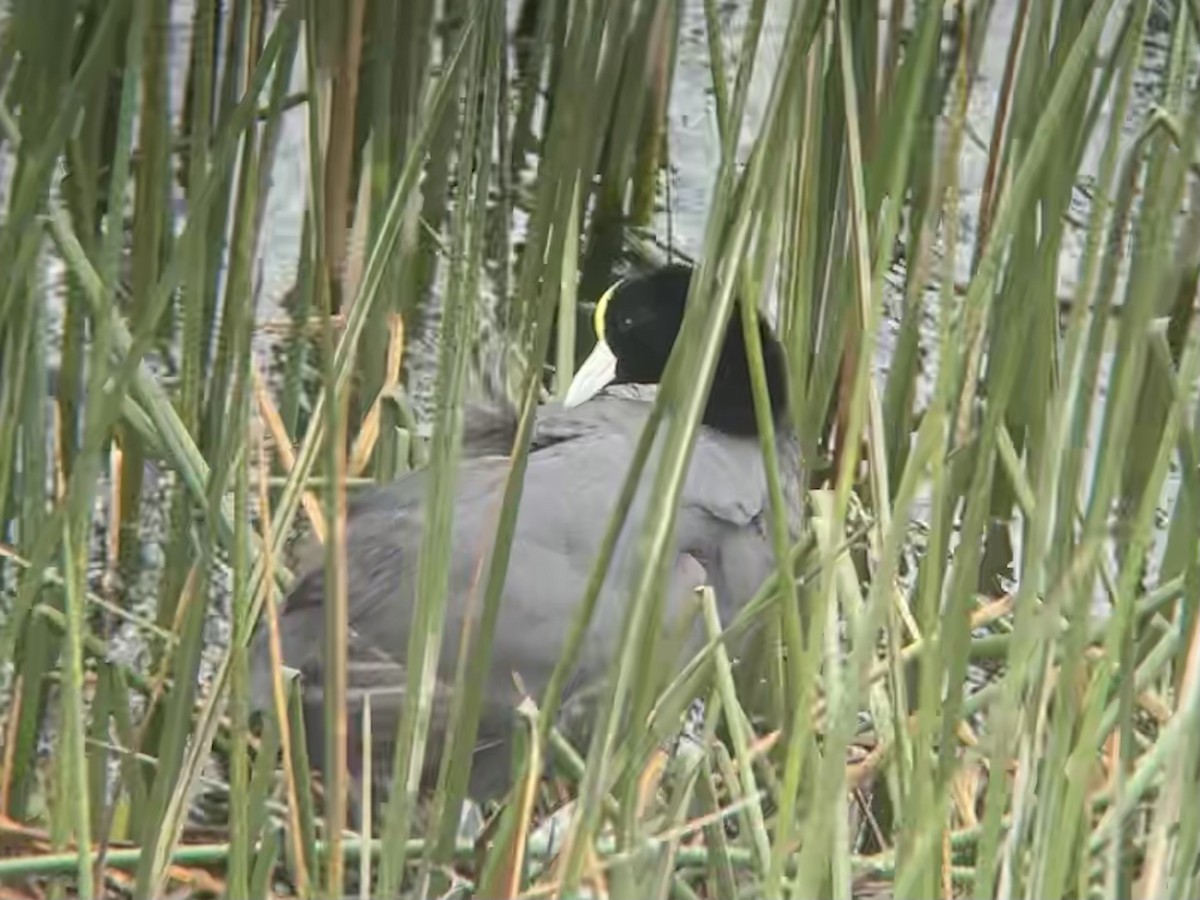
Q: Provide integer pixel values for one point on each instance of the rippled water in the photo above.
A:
(694, 147)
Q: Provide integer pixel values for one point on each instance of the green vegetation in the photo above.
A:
(980, 673)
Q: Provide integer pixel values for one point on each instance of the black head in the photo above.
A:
(636, 324)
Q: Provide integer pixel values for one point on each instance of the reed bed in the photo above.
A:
(979, 672)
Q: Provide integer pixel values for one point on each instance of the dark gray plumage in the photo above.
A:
(578, 461)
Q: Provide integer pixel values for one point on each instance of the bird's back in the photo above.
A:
(576, 468)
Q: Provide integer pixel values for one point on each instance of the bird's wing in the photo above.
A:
(726, 478)
(488, 428)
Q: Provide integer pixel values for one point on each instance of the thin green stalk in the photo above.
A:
(671, 467)
(131, 374)
(436, 104)
(475, 650)
(433, 567)
(1014, 201)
